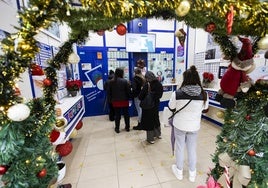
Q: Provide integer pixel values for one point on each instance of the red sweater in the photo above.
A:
(120, 103)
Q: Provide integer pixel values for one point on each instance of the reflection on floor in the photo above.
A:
(102, 158)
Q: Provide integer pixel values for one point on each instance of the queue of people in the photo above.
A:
(189, 99)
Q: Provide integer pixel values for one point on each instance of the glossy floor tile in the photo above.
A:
(102, 158)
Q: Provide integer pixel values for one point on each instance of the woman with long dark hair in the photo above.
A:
(150, 117)
(192, 99)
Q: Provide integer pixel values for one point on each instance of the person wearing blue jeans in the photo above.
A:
(190, 100)
(189, 139)
(138, 108)
(137, 84)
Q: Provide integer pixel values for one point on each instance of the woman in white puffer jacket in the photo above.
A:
(187, 122)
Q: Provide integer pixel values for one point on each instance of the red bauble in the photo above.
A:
(54, 135)
(121, 29)
(47, 82)
(79, 125)
(42, 173)
(248, 117)
(251, 152)
(3, 169)
(64, 149)
(210, 27)
(37, 70)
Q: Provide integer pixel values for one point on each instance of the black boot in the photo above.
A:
(138, 127)
(218, 97)
(117, 130)
(127, 128)
(227, 103)
(65, 186)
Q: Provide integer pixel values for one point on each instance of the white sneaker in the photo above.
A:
(192, 175)
(177, 172)
(150, 142)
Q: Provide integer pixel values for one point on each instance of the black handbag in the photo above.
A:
(148, 102)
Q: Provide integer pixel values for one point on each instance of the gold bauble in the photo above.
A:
(61, 122)
(258, 92)
(220, 114)
(263, 43)
(74, 133)
(183, 8)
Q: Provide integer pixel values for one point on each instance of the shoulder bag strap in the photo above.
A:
(180, 109)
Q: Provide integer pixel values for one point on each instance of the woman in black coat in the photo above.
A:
(150, 117)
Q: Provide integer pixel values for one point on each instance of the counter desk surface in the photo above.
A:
(73, 109)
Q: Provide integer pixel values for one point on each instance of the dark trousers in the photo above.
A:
(154, 133)
(111, 112)
(125, 112)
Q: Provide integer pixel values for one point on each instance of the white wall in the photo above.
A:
(200, 38)
(159, 24)
(8, 15)
(9, 19)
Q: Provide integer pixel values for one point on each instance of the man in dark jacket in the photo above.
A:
(119, 93)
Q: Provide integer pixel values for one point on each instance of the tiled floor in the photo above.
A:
(103, 159)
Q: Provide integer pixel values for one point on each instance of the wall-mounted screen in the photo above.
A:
(137, 42)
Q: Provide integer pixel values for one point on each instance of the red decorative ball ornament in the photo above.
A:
(210, 27)
(37, 70)
(121, 29)
(79, 125)
(248, 117)
(47, 82)
(42, 173)
(64, 149)
(54, 135)
(251, 152)
(3, 169)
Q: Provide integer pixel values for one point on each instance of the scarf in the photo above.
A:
(192, 90)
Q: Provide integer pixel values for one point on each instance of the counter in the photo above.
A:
(73, 109)
(215, 109)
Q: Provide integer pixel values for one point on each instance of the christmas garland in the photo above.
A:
(248, 18)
